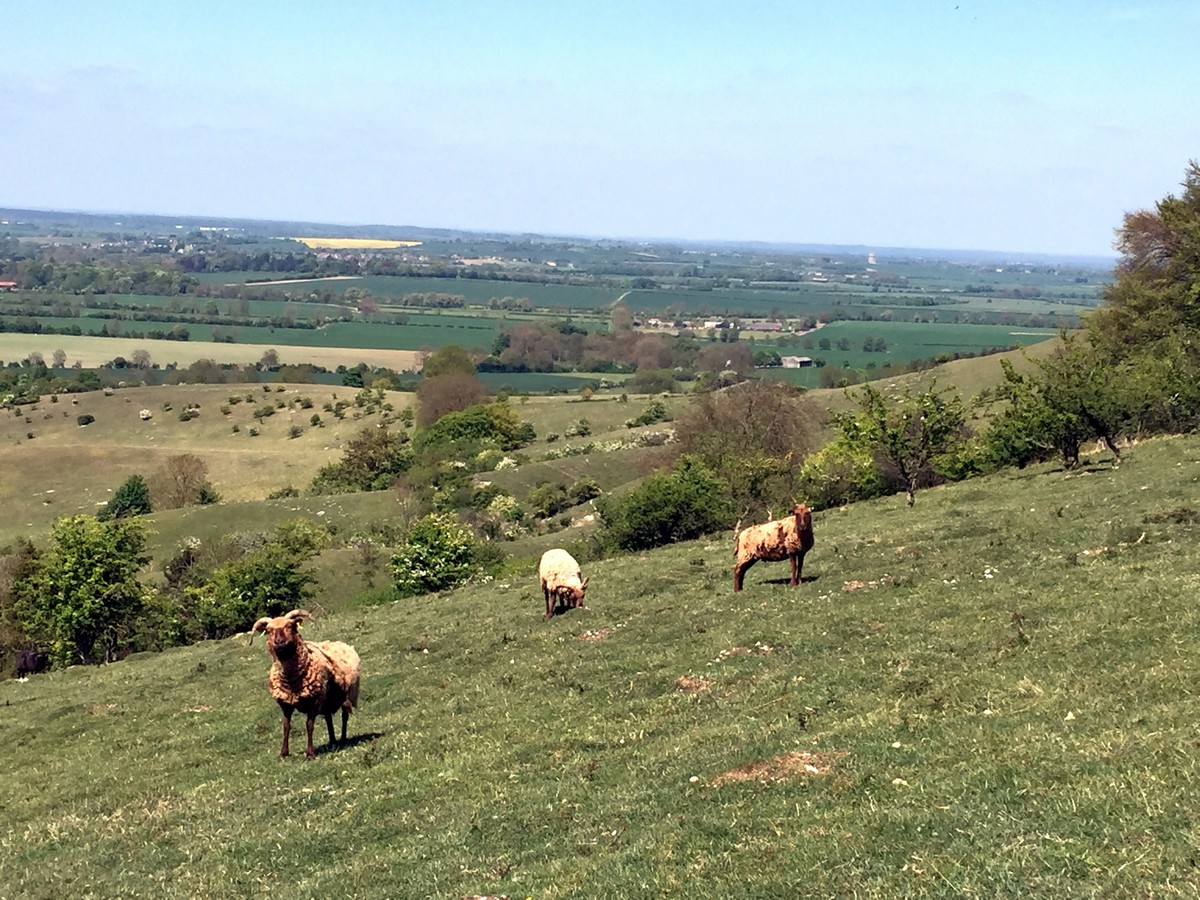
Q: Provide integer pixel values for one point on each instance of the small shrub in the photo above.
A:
(294, 432)
(437, 554)
(686, 503)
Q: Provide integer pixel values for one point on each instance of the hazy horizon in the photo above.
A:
(1026, 129)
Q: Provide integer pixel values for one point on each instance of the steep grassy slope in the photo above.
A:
(992, 693)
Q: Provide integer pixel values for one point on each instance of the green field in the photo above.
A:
(798, 300)
(989, 694)
(477, 291)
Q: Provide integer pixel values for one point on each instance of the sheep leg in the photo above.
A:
(287, 729)
(329, 725)
(345, 719)
(308, 727)
(797, 564)
(739, 574)
(549, 602)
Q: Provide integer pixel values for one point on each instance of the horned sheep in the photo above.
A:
(562, 581)
(316, 678)
(788, 538)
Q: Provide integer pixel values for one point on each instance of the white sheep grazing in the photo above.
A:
(315, 678)
(562, 582)
(774, 541)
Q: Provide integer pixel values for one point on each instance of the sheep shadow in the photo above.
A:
(561, 609)
(366, 737)
(785, 580)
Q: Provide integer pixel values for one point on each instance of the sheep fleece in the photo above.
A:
(772, 541)
(559, 569)
(335, 657)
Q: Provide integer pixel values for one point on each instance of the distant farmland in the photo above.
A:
(906, 341)
(329, 243)
(476, 291)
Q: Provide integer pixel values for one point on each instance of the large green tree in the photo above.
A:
(1156, 291)
(85, 591)
(1151, 319)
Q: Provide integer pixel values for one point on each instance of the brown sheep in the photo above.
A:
(315, 678)
(774, 541)
(562, 582)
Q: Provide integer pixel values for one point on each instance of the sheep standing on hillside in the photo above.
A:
(774, 541)
(315, 678)
(562, 582)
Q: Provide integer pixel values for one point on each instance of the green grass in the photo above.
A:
(1006, 676)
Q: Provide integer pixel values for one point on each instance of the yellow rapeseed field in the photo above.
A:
(353, 243)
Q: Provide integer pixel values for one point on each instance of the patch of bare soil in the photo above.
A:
(789, 765)
(692, 684)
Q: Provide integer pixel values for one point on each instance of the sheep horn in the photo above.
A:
(298, 614)
(260, 625)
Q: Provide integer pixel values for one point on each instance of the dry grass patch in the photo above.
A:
(759, 649)
(779, 768)
(692, 684)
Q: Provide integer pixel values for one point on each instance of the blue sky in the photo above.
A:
(1019, 126)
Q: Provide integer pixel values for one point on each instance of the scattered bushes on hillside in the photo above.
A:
(679, 505)
(655, 412)
(181, 481)
(438, 553)
(266, 581)
(372, 461)
(910, 435)
(132, 498)
(493, 424)
(754, 438)
(548, 498)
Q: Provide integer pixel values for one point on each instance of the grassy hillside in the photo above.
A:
(66, 469)
(991, 693)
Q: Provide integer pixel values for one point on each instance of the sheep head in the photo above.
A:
(574, 595)
(803, 516)
(283, 632)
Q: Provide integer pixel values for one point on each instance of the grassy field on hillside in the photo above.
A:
(91, 352)
(67, 469)
(993, 693)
